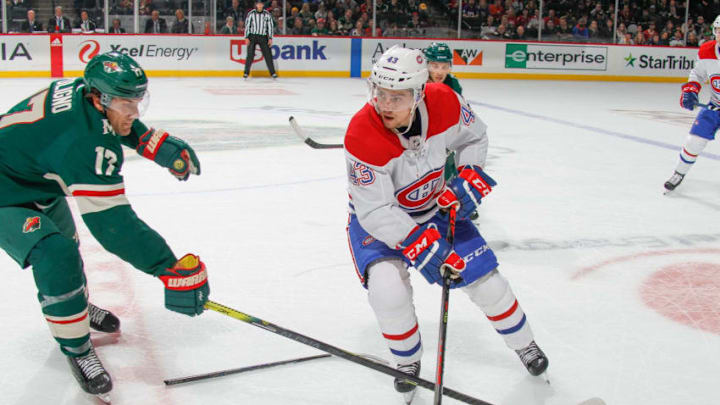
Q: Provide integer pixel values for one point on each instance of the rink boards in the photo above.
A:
(57, 55)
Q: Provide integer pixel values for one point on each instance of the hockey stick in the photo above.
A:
(207, 376)
(709, 106)
(444, 306)
(309, 141)
(335, 351)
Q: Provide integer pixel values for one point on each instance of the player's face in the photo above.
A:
(394, 106)
(123, 111)
(438, 71)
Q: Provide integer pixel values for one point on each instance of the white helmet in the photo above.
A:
(399, 69)
(716, 27)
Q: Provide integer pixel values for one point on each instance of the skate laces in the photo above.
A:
(410, 369)
(90, 365)
(97, 315)
(530, 353)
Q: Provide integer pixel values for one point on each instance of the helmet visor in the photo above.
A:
(130, 107)
(391, 100)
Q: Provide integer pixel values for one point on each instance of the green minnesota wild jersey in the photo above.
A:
(55, 143)
(453, 82)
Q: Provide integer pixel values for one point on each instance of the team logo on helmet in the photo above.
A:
(468, 117)
(110, 67)
(419, 59)
(31, 224)
(419, 193)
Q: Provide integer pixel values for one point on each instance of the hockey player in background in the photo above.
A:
(66, 140)
(707, 122)
(395, 149)
(439, 59)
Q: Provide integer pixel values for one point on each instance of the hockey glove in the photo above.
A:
(186, 286)
(689, 98)
(431, 254)
(466, 190)
(170, 152)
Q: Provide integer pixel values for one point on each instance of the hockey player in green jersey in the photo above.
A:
(65, 141)
(439, 59)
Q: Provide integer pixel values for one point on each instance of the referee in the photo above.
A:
(258, 31)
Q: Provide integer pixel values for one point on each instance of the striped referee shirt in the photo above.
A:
(259, 24)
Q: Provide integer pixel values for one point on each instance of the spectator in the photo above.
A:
(59, 23)
(552, 17)
(625, 39)
(31, 24)
(334, 30)
(550, 30)
(502, 33)
(298, 28)
(320, 29)
(593, 30)
(358, 31)
(85, 24)
(116, 28)
(606, 31)
(305, 12)
(229, 27)
(488, 29)
(649, 32)
(523, 19)
(692, 39)
(346, 22)
(321, 13)
(664, 39)
(155, 25)
(520, 33)
(496, 9)
(235, 12)
(535, 24)
(580, 31)
(181, 23)
(639, 38)
(597, 13)
(470, 9)
(677, 39)
(564, 31)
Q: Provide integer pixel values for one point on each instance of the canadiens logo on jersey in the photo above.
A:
(468, 117)
(31, 224)
(419, 193)
(715, 83)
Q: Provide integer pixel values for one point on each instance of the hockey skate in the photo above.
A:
(533, 359)
(103, 320)
(405, 387)
(91, 375)
(673, 182)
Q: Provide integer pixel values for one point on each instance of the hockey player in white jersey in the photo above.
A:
(395, 149)
(707, 122)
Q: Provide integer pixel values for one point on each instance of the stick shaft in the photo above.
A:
(207, 376)
(335, 351)
(444, 308)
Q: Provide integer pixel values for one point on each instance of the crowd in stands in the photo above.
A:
(640, 22)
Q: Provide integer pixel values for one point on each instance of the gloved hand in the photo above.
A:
(466, 190)
(170, 152)
(186, 286)
(689, 97)
(431, 254)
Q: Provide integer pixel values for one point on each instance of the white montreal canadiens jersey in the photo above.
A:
(707, 69)
(393, 181)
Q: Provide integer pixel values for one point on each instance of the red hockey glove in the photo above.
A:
(170, 152)
(186, 286)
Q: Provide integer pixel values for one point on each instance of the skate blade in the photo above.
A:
(409, 396)
(105, 398)
(545, 377)
(666, 192)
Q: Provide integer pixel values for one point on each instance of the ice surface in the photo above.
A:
(620, 283)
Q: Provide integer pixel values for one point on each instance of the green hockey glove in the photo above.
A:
(186, 286)
(170, 152)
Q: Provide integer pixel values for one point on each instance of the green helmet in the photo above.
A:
(115, 75)
(438, 52)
